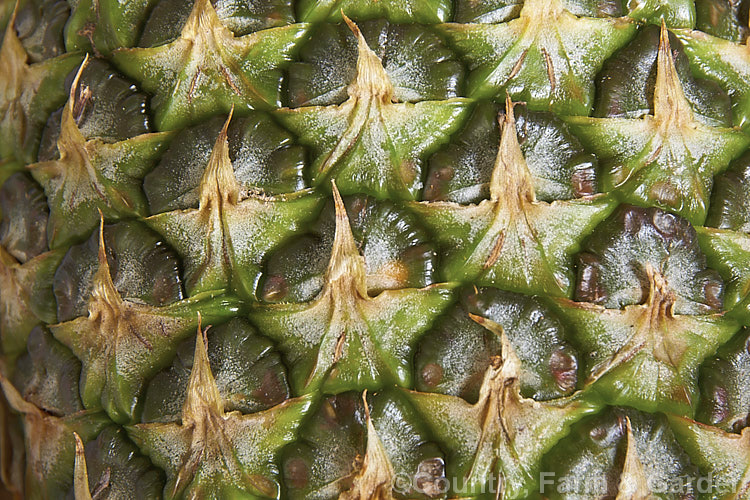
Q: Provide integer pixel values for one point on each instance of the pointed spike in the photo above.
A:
(346, 263)
(102, 250)
(633, 481)
(7, 260)
(73, 93)
(371, 80)
(202, 393)
(510, 176)
(104, 288)
(10, 32)
(661, 298)
(364, 393)
(511, 364)
(376, 453)
(70, 134)
(202, 20)
(542, 9)
(352, 25)
(510, 115)
(219, 183)
(670, 105)
(14, 13)
(375, 478)
(15, 400)
(225, 128)
(344, 238)
(81, 474)
(12, 53)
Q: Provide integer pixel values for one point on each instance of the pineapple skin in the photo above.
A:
(371, 250)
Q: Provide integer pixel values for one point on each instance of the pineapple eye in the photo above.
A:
(40, 28)
(248, 372)
(102, 94)
(48, 373)
(724, 382)
(23, 227)
(613, 268)
(117, 468)
(264, 157)
(142, 266)
(418, 63)
(625, 84)
(453, 357)
(496, 11)
(730, 198)
(500, 11)
(594, 455)
(397, 252)
(559, 165)
(243, 17)
(337, 454)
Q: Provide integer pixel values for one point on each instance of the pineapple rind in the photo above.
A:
(218, 64)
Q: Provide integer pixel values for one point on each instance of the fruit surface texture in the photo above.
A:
(375, 249)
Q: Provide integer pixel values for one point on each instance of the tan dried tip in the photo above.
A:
(80, 474)
(346, 269)
(104, 291)
(374, 480)
(12, 56)
(545, 12)
(203, 22)
(7, 261)
(511, 179)
(670, 106)
(500, 411)
(652, 332)
(16, 401)
(371, 80)
(9, 283)
(71, 140)
(219, 184)
(507, 366)
(661, 298)
(633, 480)
(202, 394)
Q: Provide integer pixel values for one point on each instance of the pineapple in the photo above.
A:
(347, 249)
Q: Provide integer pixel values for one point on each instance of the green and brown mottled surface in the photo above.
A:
(356, 249)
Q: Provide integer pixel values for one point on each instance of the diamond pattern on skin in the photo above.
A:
(511, 240)
(503, 434)
(214, 453)
(546, 57)
(344, 339)
(122, 344)
(667, 159)
(369, 144)
(207, 70)
(93, 176)
(658, 350)
(28, 94)
(224, 240)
